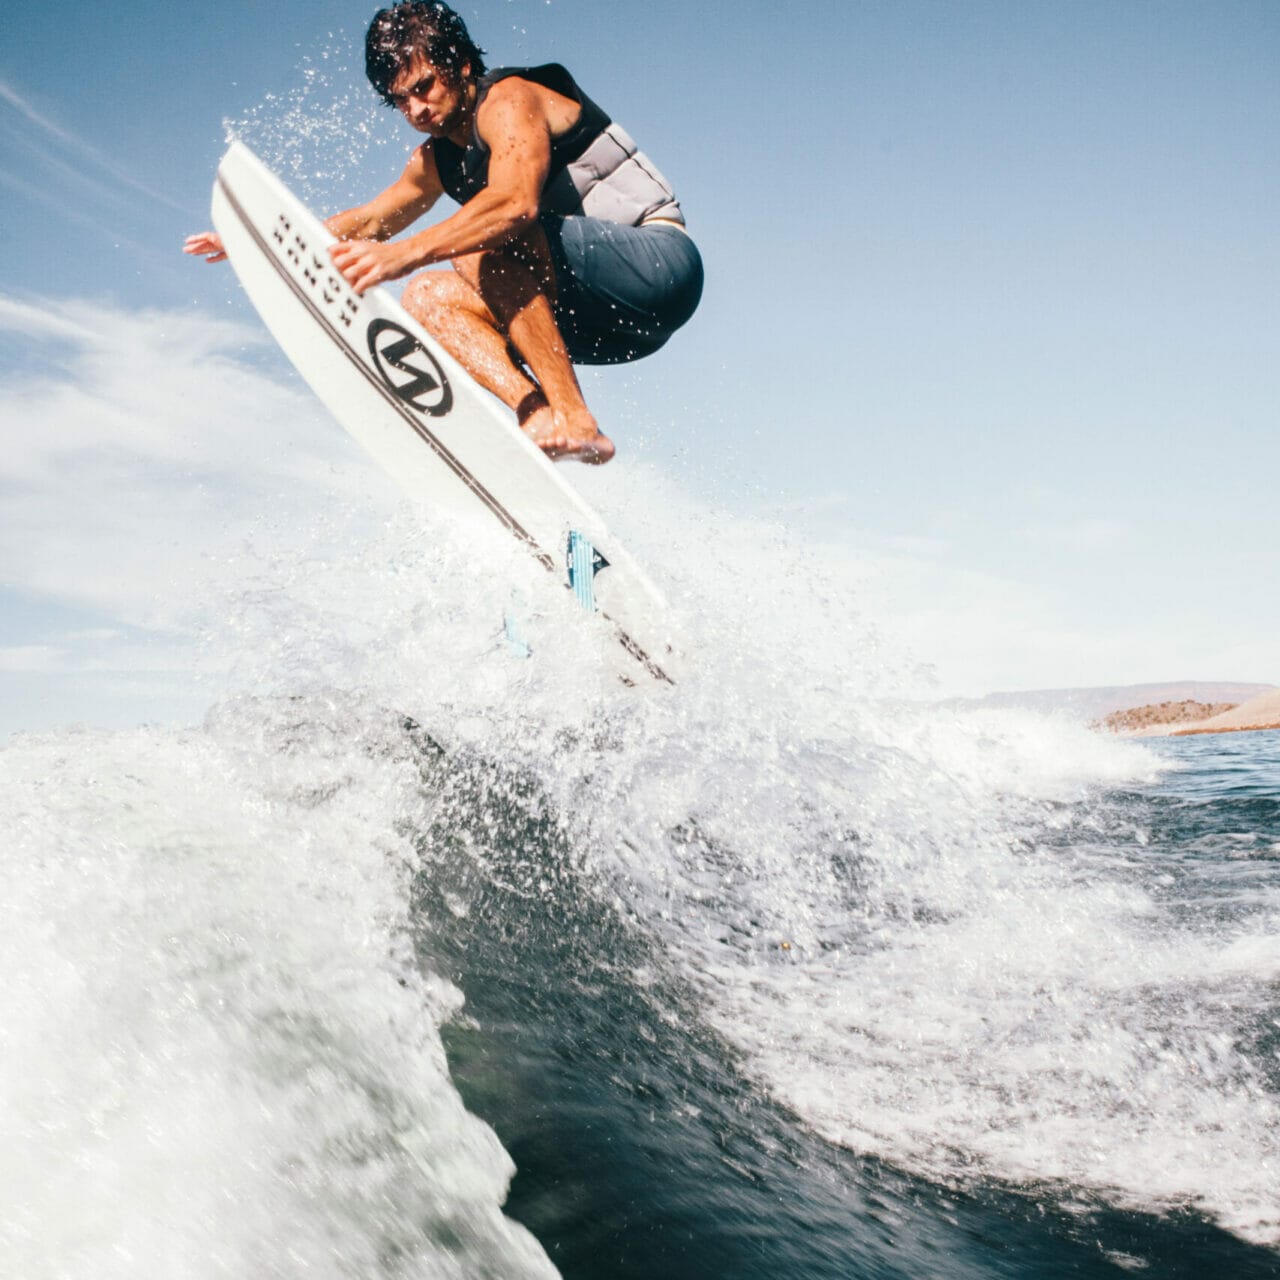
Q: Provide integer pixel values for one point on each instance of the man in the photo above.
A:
(569, 246)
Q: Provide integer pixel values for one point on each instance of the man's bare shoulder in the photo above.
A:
(515, 99)
(512, 89)
(422, 160)
(420, 169)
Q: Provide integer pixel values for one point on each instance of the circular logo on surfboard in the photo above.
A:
(409, 369)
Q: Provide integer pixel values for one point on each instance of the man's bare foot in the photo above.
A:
(596, 449)
(585, 444)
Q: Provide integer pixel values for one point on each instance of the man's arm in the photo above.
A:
(402, 203)
(513, 122)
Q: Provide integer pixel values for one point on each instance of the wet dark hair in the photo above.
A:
(427, 27)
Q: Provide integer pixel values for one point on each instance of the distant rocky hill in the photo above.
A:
(1097, 703)
(1162, 713)
(1262, 712)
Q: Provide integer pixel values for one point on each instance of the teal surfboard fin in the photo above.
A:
(584, 563)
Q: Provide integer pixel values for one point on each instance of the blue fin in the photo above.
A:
(584, 563)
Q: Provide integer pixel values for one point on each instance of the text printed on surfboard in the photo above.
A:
(317, 272)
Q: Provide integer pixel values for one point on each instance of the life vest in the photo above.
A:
(596, 168)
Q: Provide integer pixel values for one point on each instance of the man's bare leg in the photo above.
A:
(450, 305)
(452, 311)
(517, 284)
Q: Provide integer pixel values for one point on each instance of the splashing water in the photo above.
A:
(328, 135)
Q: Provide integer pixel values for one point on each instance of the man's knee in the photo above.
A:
(432, 294)
(423, 294)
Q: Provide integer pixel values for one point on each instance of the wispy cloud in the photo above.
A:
(1094, 533)
(145, 449)
(981, 632)
(85, 154)
(30, 658)
(10, 95)
(154, 462)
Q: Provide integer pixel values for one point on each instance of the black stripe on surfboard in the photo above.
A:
(420, 429)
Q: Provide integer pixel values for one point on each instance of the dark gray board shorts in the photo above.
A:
(621, 291)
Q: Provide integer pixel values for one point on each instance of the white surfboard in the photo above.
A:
(413, 407)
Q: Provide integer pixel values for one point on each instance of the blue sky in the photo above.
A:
(991, 302)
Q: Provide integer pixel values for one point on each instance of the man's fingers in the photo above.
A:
(206, 245)
(344, 258)
(365, 277)
(346, 251)
(357, 277)
(358, 265)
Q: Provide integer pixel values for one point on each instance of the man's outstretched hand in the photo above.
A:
(207, 244)
(364, 263)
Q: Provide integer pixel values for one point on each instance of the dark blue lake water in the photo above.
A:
(1138, 1131)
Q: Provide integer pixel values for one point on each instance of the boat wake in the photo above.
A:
(956, 944)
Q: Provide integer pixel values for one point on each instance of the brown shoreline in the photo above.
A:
(1244, 728)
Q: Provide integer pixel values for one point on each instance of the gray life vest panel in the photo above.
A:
(596, 168)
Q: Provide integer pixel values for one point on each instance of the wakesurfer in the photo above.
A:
(569, 246)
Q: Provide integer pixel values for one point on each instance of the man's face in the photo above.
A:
(428, 99)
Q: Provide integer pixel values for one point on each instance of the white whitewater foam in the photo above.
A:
(217, 1057)
(980, 978)
(923, 933)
